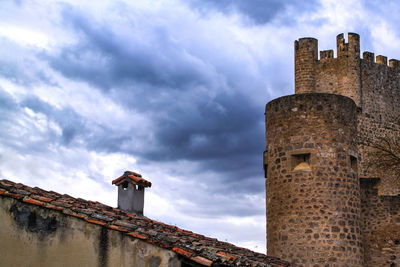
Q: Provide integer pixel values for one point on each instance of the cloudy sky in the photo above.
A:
(172, 89)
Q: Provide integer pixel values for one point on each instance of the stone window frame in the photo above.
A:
(292, 156)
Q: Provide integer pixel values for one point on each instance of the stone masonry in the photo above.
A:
(326, 205)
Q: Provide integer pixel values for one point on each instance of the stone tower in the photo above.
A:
(312, 191)
(325, 205)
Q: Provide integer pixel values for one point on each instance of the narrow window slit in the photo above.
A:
(353, 164)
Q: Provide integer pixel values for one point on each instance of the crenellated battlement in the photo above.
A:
(351, 48)
(394, 63)
(307, 49)
(370, 57)
(326, 54)
(338, 75)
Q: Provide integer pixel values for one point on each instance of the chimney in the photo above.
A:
(131, 187)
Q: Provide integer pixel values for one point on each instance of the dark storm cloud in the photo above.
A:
(195, 116)
(260, 11)
(105, 59)
(214, 130)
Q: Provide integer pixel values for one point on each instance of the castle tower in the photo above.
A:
(312, 188)
(341, 75)
(329, 202)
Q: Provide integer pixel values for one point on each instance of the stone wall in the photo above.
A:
(370, 130)
(339, 75)
(312, 191)
(372, 84)
(33, 236)
(379, 116)
(381, 223)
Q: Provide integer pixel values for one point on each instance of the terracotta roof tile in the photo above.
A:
(226, 255)
(202, 261)
(183, 252)
(137, 235)
(49, 206)
(194, 247)
(40, 197)
(95, 222)
(74, 214)
(114, 227)
(13, 195)
(133, 176)
(33, 201)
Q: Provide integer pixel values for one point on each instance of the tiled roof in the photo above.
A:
(198, 248)
(135, 177)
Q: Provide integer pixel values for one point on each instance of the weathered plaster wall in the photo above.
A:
(33, 236)
(313, 215)
(381, 224)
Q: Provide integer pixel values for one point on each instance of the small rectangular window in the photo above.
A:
(301, 162)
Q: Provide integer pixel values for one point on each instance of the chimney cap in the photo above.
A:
(132, 177)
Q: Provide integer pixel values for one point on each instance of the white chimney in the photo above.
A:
(131, 187)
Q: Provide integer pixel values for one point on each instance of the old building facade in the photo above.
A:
(45, 228)
(327, 205)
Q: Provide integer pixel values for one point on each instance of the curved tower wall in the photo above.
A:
(313, 213)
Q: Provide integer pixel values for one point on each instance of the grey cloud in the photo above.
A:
(70, 122)
(18, 74)
(260, 11)
(18, 131)
(16, 65)
(208, 132)
(190, 123)
(197, 102)
(7, 103)
(233, 204)
(103, 58)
